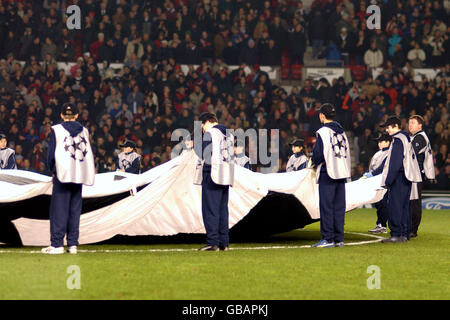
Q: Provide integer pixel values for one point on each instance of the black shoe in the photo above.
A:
(209, 248)
(405, 239)
(393, 240)
(226, 248)
(413, 235)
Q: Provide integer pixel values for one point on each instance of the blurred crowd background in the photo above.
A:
(151, 96)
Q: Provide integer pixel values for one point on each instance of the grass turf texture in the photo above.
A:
(414, 270)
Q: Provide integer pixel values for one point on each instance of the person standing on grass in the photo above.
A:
(7, 155)
(215, 173)
(400, 171)
(375, 168)
(424, 154)
(71, 161)
(331, 155)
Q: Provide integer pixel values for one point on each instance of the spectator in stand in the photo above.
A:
(360, 47)
(297, 41)
(334, 58)
(416, 55)
(344, 43)
(393, 40)
(436, 43)
(317, 32)
(373, 57)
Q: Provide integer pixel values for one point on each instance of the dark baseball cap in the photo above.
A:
(128, 143)
(69, 109)
(297, 142)
(208, 116)
(392, 121)
(328, 110)
(383, 136)
(2, 136)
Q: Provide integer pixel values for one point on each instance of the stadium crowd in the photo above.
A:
(151, 96)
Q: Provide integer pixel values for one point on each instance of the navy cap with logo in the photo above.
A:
(383, 136)
(298, 142)
(69, 109)
(2, 136)
(128, 143)
(392, 121)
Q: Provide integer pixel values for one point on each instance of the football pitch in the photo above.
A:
(282, 267)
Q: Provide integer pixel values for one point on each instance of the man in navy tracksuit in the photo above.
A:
(375, 168)
(71, 161)
(216, 175)
(400, 171)
(331, 155)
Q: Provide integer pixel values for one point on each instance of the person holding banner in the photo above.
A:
(240, 158)
(128, 160)
(331, 155)
(298, 160)
(375, 168)
(71, 160)
(7, 155)
(215, 173)
(399, 173)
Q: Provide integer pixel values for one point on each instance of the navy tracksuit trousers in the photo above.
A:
(65, 211)
(416, 208)
(215, 211)
(382, 214)
(332, 207)
(399, 209)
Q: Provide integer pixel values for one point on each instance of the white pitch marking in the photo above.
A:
(377, 239)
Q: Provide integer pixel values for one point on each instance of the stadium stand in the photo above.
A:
(140, 69)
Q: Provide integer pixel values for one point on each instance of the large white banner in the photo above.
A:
(171, 203)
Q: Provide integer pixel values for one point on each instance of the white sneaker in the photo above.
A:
(378, 229)
(72, 250)
(53, 250)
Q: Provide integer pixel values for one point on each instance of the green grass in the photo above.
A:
(418, 269)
